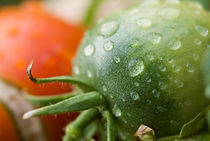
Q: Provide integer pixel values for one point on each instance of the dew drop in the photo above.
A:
(162, 85)
(136, 84)
(134, 95)
(89, 50)
(117, 59)
(155, 93)
(162, 68)
(104, 88)
(136, 67)
(76, 70)
(136, 43)
(190, 68)
(170, 60)
(176, 68)
(116, 111)
(195, 56)
(148, 101)
(198, 41)
(179, 83)
(175, 44)
(144, 23)
(202, 30)
(89, 74)
(151, 58)
(109, 28)
(108, 46)
(128, 114)
(149, 80)
(155, 38)
(169, 13)
(160, 109)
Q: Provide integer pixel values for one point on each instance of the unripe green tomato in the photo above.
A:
(146, 62)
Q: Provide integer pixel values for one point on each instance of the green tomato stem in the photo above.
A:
(75, 129)
(64, 79)
(74, 104)
(48, 100)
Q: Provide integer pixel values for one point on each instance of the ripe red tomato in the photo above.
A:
(28, 33)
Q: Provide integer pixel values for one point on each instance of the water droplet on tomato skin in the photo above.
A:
(116, 111)
(109, 28)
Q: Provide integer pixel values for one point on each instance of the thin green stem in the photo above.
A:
(110, 126)
(74, 104)
(90, 13)
(90, 130)
(48, 100)
(64, 79)
(75, 129)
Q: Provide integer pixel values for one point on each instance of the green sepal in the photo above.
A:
(48, 100)
(195, 125)
(74, 130)
(64, 79)
(90, 130)
(111, 133)
(74, 104)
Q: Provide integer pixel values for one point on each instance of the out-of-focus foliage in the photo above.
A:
(9, 2)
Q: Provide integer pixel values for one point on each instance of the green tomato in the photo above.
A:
(146, 63)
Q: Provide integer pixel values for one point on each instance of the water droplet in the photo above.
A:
(195, 56)
(155, 38)
(134, 95)
(162, 85)
(89, 74)
(108, 46)
(156, 93)
(109, 28)
(128, 114)
(76, 70)
(136, 43)
(89, 50)
(136, 67)
(175, 2)
(116, 111)
(148, 101)
(169, 13)
(176, 68)
(190, 68)
(151, 58)
(202, 30)
(197, 12)
(136, 84)
(175, 44)
(179, 83)
(117, 59)
(162, 68)
(149, 2)
(104, 88)
(198, 41)
(160, 109)
(144, 23)
(170, 60)
(149, 80)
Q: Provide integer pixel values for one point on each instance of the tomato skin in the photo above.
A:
(30, 33)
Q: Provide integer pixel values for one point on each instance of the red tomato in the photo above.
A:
(8, 132)
(30, 33)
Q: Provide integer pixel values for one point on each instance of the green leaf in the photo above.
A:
(195, 125)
